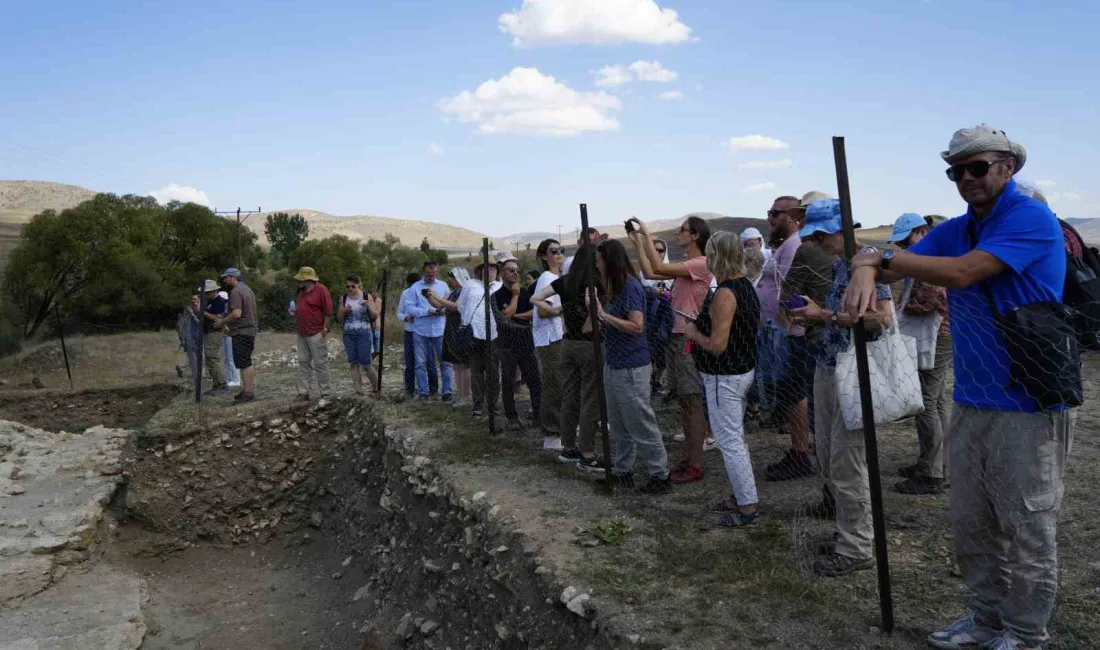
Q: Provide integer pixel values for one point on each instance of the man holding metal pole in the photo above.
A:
(1004, 267)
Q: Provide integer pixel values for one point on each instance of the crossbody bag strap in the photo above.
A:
(985, 285)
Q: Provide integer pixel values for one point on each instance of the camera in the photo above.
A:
(425, 292)
(629, 225)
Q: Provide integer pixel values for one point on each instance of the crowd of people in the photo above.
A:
(747, 326)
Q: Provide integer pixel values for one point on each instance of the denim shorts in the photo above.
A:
(359, 344)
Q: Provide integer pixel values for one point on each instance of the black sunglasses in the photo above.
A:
(555, 251)
(688, 229)
(776, 213)
(659, 250)
(977, 169)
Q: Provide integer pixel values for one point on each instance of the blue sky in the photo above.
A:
(357, 107)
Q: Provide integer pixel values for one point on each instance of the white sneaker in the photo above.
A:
(233, 384)
(965, 632)
(710, 444)
(550, 443)
(1008, 642)
(678, 437)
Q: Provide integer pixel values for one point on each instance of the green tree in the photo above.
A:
(333, 258)
(425, 246)
(106, 242)
(286, 233)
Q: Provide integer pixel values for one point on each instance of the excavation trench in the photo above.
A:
(314, 528)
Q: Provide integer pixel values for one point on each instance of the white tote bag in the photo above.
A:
(925, 330)
(895, 385)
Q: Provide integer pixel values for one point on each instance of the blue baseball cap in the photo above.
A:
(823, 216)
(905, 224)
(231, 272)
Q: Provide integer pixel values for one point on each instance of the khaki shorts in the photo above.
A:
(683, 376)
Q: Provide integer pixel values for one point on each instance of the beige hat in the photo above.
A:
(306, 273)
(979, 139)
(810, 197)
(209, 286)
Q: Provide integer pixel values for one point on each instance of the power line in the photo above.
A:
(240, 222)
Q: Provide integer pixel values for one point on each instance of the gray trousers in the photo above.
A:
(313, 359)
(933, 421)
(632, 421)
(550, 371)
(212, 355)
(580, 397)
(1006, 490)
(843, 458)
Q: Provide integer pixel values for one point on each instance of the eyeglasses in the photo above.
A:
(977, 169)
(775, 213)
(660, 251)
(686, 229)
(555, 251)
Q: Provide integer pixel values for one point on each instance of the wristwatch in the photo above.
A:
(887, 257)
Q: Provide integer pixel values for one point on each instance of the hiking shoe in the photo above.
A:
(515, 426)
(446, 398)
(593, 464)
(220, 390)
(302, 397)
(551, 443)
(477, 412)
(738, 519)
(422, 398)
(656, 485)
(920, 485)
(967, 631)
(793, 465)
(909, 471)
(1008, 642)
(822, 510)
(678, 437)
(619, 481)
(835, 565)
(710, 444)
(244, 398)
(570, 456)
(689, 474)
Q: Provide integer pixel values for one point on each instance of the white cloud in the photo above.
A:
(435, 149)
(542, 22)
(652, 71)
(756, 142)
(767, 164)
(181, 193)
(1045, 185)
(671, 94)
(613, 76)
(527, 101)
(760, 187)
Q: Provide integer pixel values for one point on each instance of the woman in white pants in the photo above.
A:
(724, 340)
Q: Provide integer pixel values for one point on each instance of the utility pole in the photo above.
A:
(559, 233)
(240, 222)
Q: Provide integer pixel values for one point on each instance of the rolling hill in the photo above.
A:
(364, 227)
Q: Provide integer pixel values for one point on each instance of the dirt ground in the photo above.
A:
(671, 580)
(120, 408)
(278, 596)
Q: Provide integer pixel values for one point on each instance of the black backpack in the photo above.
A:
(1082, 289)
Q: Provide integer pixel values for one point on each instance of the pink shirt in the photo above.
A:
(688, 294)
(771, 281)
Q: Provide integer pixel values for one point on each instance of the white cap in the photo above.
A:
(750, 233)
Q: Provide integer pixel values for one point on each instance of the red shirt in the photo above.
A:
(311, 308)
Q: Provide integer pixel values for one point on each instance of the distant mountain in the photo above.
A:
(364, 227)
(21, 200)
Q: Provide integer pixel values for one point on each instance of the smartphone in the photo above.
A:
(629, 225)
(687, 317)
(425, 291)
(795, 302)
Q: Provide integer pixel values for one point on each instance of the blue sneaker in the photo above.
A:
(966, 632)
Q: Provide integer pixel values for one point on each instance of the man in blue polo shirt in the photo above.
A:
(428, 324)
(1007, 457)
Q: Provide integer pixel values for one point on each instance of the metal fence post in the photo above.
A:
(859, 332)
(490, 407)
(382, 329)
(201, 352)
(590, 273)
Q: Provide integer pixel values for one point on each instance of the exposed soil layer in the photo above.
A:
(119, 408)
(417, 566)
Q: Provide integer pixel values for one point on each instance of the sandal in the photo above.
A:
(722, 507)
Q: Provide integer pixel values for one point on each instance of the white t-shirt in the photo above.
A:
(547, 330)
(471, 307)
(565, 265)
